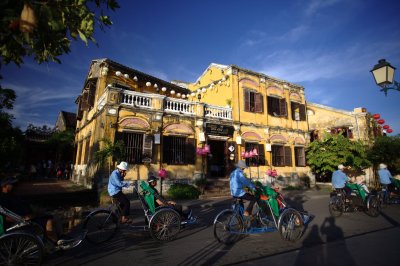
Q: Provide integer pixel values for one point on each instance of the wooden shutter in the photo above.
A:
(79, 114)
(148, 146)
(282, 107)
(190, 151)
(293, 107)
(258, 97)
(246, 96)
(92, 94)
(303, 112)
(261, 152)
(288, 156)
(270, 105)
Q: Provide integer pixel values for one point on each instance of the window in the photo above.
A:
(87, 150)
(178, 150)
(253, 101)
(345, 131)
(277, 107)
(137, 146)
(298, 111)
(281, 155)
(258, 160)
(300, 156)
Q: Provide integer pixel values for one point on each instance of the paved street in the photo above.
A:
(354, 239)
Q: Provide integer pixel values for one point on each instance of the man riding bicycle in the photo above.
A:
(115, 185)
(385, 178)
(237, 182)
(339, 180)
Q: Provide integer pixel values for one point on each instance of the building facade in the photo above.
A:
(198, 129)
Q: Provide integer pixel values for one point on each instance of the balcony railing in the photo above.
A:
(179, 106)
(136, 99)
(218, 112)
(169, 105)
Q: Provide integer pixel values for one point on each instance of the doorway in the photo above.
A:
(216, 161)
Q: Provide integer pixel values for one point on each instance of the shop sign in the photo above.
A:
(219, 130)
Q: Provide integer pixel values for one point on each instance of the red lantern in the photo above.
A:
(389, 130)
(376, 116)
(381, 121)
(386, 127)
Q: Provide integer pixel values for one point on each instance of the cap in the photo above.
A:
(8, 180)
(123, 166)
(382, 166)
(340, 167)
(152, 178)
(241, 164)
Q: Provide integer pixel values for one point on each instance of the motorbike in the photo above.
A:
(359, 200)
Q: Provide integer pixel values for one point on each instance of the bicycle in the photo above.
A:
(231, 224)
(163, 223)
(25, 242)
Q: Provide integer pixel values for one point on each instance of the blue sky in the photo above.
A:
(327, 46)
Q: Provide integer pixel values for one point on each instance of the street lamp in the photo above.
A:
(383, 73)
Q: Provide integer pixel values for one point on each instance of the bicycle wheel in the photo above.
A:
(383, 198)
(373, 206)
(101, 226)
(336, 206)
(227, 227)
(290, 225)
(264, 215)
(20, 249)
(165, 225)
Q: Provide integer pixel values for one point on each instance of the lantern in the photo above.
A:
(381, 121)
(243, 154)
(255, 153)
(389, 130)
(376, 116)
(28, 19)
(251, 154)
(246, 154)
(386, 127)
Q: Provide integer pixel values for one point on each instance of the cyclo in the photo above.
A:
(389, 197)
(272, 214)
(26, 243)
(360, 200)
(163, 223)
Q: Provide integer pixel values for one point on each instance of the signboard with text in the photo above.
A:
(219, 130)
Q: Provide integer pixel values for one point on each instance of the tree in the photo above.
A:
(11, 138)
(323, 156)
(115, 151)
(46, 28)
(386, 150)
(62, 145)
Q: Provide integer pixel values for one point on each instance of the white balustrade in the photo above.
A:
(179, 106)
(136, 99)
(218, 112)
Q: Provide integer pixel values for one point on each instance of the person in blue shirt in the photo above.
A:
(385, 178)
(339, 179)
(237, 183)
(115, 185)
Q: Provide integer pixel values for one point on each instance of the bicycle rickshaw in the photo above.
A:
(163, 223)
(272, 214)
(26, 243)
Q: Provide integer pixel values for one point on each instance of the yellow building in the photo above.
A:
(199, 129)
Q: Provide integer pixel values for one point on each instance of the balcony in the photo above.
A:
(219, 112)
(169, 105)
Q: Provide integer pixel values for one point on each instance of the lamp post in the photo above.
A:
(383, 73)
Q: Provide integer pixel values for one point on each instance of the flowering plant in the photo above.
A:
(272, 172)
(162, 173)
(203, 151)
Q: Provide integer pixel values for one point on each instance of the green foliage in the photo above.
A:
(183, 191)
(386, 150)
(323, 156)
(199, 182)
(11, 139)
(62, 144)
(58, 22)
(115, 151)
